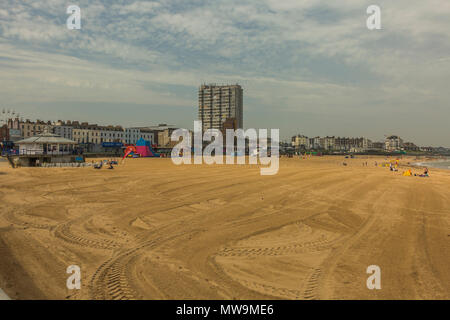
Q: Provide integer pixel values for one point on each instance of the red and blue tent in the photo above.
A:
(144, 148)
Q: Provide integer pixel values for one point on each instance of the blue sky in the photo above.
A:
(307, 66)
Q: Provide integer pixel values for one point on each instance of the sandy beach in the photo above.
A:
(153, 230)
(3, 295)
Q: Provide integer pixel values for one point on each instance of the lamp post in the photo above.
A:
(7, 114)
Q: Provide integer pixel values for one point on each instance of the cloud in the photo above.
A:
(302, 57)
(138, 7)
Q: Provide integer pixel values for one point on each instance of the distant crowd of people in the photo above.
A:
(394, 167)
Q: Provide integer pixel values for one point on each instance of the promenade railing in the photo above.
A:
(31, 152)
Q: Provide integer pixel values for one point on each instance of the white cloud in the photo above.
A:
(302, 56)
(138, 7)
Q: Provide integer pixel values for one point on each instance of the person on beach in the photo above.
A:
(110, 163)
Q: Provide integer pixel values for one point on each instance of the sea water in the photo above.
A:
(445, 164)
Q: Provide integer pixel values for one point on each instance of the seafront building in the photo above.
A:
(409, 146)
(300, 142)
(30, 128)
(217, 103)
(333, 144)
(85, 133)
(220, 106)
(393, 143)
(4, 133)
(132, 135)
(160, 134)
(64, 130)
(90, 137)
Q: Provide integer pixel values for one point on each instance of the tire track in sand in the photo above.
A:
(63, 232)
(313, 285)
(18, 219)
(310, 293)
(309, 246)
(111, 281)
(329, 265)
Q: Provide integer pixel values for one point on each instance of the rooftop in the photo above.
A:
(46, 138)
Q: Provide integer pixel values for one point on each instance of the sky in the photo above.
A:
(307, 67)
